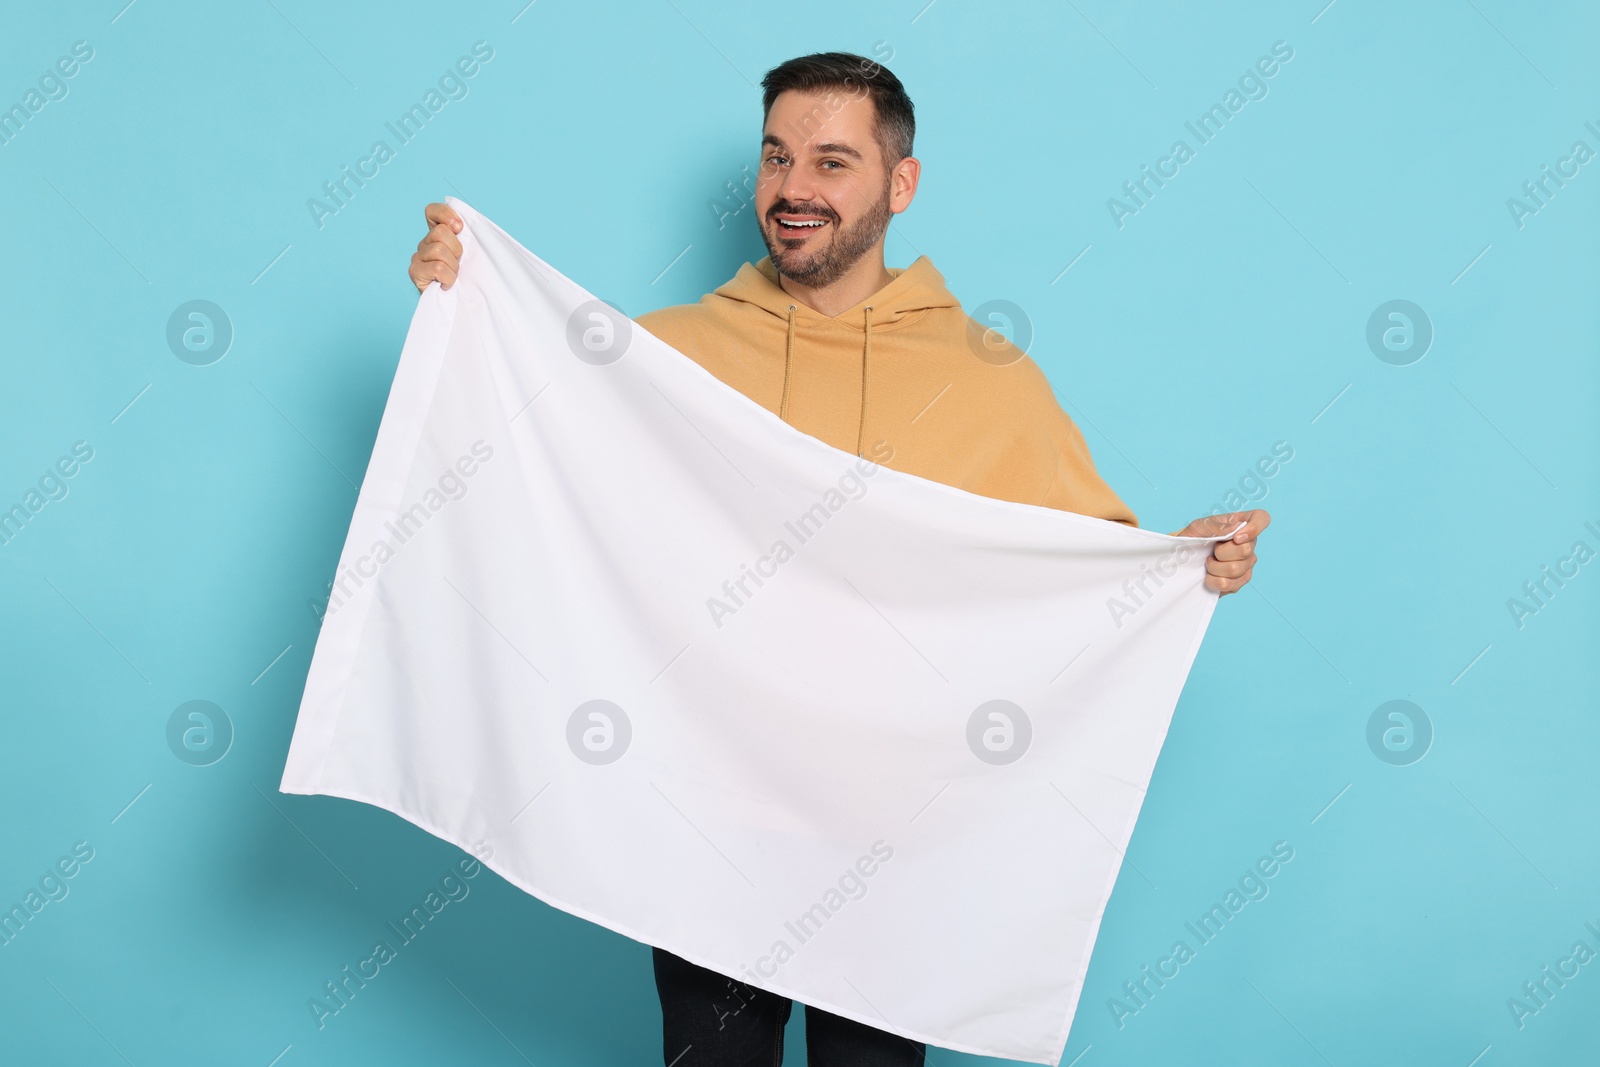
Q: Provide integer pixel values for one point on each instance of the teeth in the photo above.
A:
(814, 222)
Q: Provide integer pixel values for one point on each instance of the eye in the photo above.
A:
(774, 160)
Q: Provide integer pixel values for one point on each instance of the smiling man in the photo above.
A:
(879, 362)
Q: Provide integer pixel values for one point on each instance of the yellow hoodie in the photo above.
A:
(902, 368)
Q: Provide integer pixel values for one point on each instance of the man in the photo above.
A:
(841, 347)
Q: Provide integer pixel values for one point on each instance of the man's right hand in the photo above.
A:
(438, 255)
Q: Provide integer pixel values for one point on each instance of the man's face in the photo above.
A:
(823, 192)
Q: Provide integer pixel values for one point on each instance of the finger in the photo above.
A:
(442, 214)
(1229, 568)
(445, 236)
(440, 238)
(1229, 550)
(1224, 585)
(1255, 521)
(1224, 524)
(437, 253)
(424, 272)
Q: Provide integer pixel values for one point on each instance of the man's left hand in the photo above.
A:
(1232, 560)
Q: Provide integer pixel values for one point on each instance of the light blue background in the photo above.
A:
(1227, 315)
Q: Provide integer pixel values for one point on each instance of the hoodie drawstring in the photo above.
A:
(788, 367)
(788, 362)
(866, 354)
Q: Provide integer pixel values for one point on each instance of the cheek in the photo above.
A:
(862, 196)
(846, 194)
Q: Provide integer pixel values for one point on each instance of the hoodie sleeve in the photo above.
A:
(1076, 485)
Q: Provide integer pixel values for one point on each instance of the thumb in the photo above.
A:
(1224, 524)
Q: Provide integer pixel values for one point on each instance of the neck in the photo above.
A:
(866, 277)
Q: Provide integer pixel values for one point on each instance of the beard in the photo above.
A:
(828, 264)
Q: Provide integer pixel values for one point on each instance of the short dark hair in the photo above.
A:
(895, 124)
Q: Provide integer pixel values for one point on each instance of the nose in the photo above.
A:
(797, 187)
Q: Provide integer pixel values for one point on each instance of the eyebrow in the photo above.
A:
(831, 148)
(826, 148)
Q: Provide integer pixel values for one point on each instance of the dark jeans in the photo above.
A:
(710, 1020)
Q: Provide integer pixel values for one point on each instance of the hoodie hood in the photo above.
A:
(912, 290)
(911, 293)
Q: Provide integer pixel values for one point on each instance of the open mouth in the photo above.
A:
(799, 225)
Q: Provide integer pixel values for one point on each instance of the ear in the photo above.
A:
(903, 183)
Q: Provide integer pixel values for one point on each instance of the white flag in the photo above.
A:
(671, 665)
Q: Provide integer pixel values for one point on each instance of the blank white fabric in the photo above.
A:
(894, 778)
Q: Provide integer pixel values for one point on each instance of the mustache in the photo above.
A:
(784, 207)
